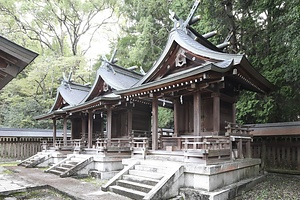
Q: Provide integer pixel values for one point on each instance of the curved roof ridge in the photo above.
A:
(71, 93)
(180, 37)
(117, 77)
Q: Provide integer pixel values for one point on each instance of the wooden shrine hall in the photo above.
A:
(96, 112)
(195, 77)
(207, 154)
(202, 82)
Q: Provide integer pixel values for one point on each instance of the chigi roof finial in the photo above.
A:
(107, 63)
(67, 81)
(190, 19)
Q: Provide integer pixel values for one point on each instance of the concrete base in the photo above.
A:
(230, 192)
(219, 181)
(102, 166)
(212, 177)
(55, 157)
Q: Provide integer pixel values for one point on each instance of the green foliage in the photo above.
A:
(270, 37)
(266, 31)
(54, 29)
(165, 118)
(144, 32)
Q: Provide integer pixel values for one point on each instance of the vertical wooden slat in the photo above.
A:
(278, 155)
(263, 155)
(298, 157)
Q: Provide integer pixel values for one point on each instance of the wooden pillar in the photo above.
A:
(197, 113)
(83, 127)
(72, 128)
(90, 129)
(234, 113)
(240, 148)
(109, 122)
(248, 149)
(129, 121)
(176, 117)
(54, 131)
(65, 131)
(216, 113)
(154, 123)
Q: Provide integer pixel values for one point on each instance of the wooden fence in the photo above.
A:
(18, 148)
(278, 153)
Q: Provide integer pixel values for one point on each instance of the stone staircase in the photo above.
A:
(70, 165)
(35, 159)
(146, 179)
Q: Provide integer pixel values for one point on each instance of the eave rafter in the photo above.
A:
(192, 83)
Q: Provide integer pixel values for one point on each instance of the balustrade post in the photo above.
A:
(186, 143)
(240, 148)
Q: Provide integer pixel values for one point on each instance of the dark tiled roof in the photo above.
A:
(118, 78)
(13, 59)
(219, 62)
(71, 93)
(18, 132)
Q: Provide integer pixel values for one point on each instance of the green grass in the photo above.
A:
(94, 181)
(8, 164)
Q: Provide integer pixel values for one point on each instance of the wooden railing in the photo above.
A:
(139, 142)
(105, 143)
(237, 129)
(205, 142)
(139, 146)
(241, 139)
(75, 144)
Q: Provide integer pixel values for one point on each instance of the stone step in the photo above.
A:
(62, 169)
(134, 185)
(53, 171)
(26, 162)
(74, 159)
(139, 179)
(146, 174)
(71, 163)
(67, 165)
(149, 168)
(133, 194)
(161, 163)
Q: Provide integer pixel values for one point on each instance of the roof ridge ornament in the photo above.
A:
(107, 63)
(67, 81)
(179, 23)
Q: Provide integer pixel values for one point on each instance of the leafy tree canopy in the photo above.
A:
(266, 31)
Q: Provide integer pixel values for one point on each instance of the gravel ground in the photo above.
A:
(275, 186)
(79, 189)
